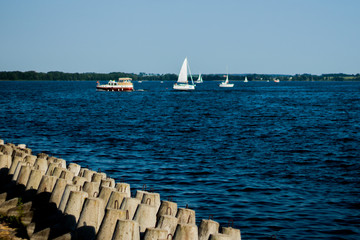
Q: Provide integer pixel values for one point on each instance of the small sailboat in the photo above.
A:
(226, 83)
(246, 79)
(182, 82)
(199, 80)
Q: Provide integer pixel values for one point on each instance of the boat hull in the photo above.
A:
(184, 87)
(228, 85)
(114, 89)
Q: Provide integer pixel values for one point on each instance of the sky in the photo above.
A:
(154, 36)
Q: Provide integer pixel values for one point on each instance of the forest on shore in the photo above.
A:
(61, 76)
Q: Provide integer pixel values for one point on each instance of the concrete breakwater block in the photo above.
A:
(47, 184)
(34, 179)
(97, 177)
(234, 233)
(130, 204)
(5, 161)
(92, 188)
(51, 168)
(87, 173)
(115, 200)
(108, 225)
(65, 196)
(208, 227)
(186, 216)
(220, 236)
(24, 175)
(77, 180)
(66, 174)
(145, 215)
(155, 234)
(90, 217)
(126, 230)
(74, 168)
(5, 206)
(123, 188)
(58, 191)
(31, 159)
(14, 164)
(168, 223)
(152, 199)
(108, 182)
(167, 208)
(186, 232)
(17, 170)
(73, 209)
(41, 164)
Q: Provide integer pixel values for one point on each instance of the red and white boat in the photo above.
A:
(122, 85)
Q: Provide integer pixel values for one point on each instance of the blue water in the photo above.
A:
(279, 159)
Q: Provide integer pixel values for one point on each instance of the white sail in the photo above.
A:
(183, 73)
(227, 79)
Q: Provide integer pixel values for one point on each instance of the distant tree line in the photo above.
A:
(61, 76)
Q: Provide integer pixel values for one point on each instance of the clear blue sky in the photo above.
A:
(154, 36)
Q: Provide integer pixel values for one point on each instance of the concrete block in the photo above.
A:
(58, 191)
(74, 206)
(167, 223)
(47, 184)
(65, 196)
(155, 234)
(5, 161)
(152, 199)
(30, 159)
(107, 228)
(127, 230)
(74, 168)
(234, 233)
(24, 175)
(66, 174)
(77, 180)
(167, 208)
(186, 216)
(90, 215)
(41, 164)
(92, 188)
(34, 179)
(115, 200)
(5, 206)
(145, 215)
(208, 227)
(220, 236)
(130, 204)
(186, 232)
(124, 188)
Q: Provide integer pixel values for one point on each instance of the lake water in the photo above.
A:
(279, 159)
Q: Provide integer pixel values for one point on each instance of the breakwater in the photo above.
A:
(56, 200)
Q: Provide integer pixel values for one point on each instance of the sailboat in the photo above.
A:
(226, 83)
(245, 79)
(182, 82)
(199, 80)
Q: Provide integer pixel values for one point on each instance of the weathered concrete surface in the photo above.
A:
(219, 236)
(233, 232)
(155, 234)
(186, 232)
(108, 225)
(186, 216)
(208, 227)
(127, 230)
